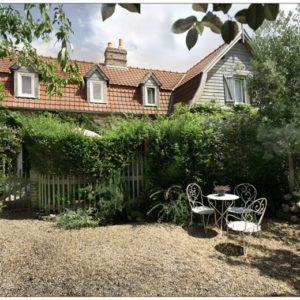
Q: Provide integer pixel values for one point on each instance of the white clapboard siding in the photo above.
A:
(236, 60)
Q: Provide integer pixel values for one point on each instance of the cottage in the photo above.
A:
(113, 87)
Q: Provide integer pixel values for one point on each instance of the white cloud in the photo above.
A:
(147, 36)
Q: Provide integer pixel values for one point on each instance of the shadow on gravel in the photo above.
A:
(280, 264)
(197, 231)
(17, 215)
(230, 249)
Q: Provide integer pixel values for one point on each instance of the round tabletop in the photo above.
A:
(226, 197)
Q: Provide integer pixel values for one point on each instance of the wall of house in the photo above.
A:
(236, 61)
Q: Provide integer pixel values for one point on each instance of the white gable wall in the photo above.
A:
(236, 61)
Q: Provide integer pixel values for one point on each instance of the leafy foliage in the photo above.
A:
(108, 9)
(9, 147)
(77, 219)
(18, 31)
(209, 142)
(170, 205)
(254, 16)
(276, 87)
(2, 206)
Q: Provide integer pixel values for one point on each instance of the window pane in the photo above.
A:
(26, 85)
(97, 91)
(239, 90)
(151, 95)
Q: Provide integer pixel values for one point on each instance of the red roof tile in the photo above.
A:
(116, 75)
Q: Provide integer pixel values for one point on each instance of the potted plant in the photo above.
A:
(222, 189)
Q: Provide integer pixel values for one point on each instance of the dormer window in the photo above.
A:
(25, 85)
(26, 82)
(97, 91)
(151, 98)
(96, 85)
(150, 90)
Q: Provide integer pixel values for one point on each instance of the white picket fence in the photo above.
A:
(16, 192)
(58, 192)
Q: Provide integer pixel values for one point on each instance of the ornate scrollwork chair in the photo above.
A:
(250, 220)
(196, 201)
(247, 193)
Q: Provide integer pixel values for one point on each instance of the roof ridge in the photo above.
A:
(102, 64)
(160, 70)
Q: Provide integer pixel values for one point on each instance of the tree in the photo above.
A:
(17, 31)
(254, 16)
(276, 87)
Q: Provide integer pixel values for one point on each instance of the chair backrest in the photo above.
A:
(255, 211)
(194, 195)
(246, 192)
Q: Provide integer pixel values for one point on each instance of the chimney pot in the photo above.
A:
(115, 56)
(120, 44)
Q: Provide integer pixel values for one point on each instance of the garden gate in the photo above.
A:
(16, 193)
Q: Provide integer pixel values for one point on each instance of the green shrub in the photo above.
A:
(2, 206)
(210, 142)
(71, 219)
(170, 205)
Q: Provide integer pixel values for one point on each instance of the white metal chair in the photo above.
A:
(250, 220)
(195, 198)
(247, 193)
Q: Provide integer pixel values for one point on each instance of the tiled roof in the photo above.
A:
(122, 93)
(198, 68)
(120, 99)
(116, 75)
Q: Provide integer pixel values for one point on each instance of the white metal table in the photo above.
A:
(226, 200)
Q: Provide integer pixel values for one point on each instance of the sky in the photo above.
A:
(147, 37)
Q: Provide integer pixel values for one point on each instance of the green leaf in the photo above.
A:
(191, 38)
(230, 30)
(199, 27)
(213, 22)
(224, 7)
(271, 11)
(241, 16)
(107, 10)
(200, 7)
(135, 8)
(183, 25)
(255, 15)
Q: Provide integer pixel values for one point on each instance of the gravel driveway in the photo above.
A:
(39, 259)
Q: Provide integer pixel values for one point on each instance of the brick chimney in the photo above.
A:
(115, 56)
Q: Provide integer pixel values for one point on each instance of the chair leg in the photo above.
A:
(207, 223)
(203, 222)
(191, 223)
(215, 218)
(244, 246)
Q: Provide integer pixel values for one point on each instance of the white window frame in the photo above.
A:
(19, 78)
(155, 96)
(102, 100)
(244, 88)
(233, 92)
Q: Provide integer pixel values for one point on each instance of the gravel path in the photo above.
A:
(39, 259)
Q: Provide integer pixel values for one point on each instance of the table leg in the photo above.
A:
(222, 216)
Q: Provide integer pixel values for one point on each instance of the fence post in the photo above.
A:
(34, 189)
